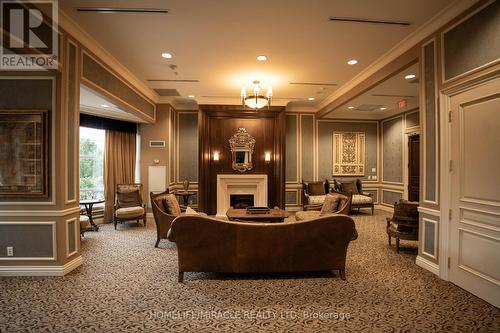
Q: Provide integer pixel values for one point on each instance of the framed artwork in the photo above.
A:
(24, 153)
(348, 153)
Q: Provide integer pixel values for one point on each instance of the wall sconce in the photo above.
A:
(216, 155)
(268, 157)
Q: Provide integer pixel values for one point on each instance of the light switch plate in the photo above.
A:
(374, 169)
(374, 177)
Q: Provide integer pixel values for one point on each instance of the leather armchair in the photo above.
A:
(404, 223)
(313, 194)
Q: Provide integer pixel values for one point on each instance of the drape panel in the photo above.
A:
(119, 166)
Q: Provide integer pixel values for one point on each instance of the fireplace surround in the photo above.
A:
(247, 185)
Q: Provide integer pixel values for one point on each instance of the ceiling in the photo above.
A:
(96, 105)
(216, 43)
(381, 101)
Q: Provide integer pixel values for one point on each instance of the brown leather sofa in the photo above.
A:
(209, 245)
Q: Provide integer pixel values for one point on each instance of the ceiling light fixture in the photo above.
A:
(261, 57)
(166, 55)
(191, 96)
(105, 105)
(382, 108)
(352, 62)
(410, 76)
(256, 99)
(311, 98)
(350, 107)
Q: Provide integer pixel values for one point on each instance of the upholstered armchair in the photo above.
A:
(165, 209)
(128, 204)
(404, 223)
(313, 194)
(359, 199)
(335, 203)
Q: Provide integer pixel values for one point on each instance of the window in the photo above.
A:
(91, 163)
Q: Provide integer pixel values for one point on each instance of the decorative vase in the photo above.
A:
(185, 184)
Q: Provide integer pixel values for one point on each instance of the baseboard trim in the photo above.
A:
(428, 265)
(385, 208)
(41, 270)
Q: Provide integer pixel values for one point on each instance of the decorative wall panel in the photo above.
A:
(348, 153)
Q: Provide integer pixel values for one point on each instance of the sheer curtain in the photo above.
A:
(119, 166)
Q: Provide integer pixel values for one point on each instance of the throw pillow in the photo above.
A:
(128, 199)
(171, 205)
(331, 204)
(349, 187)
(190, 211)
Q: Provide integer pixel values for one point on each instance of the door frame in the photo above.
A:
(445, 96)
(406, 159)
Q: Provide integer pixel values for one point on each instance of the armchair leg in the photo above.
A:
(180, 277)
(372, 210)
(342, 274)
(389, 240)
(114, 221)
(157, 242)
(397, 244)
(144, 220)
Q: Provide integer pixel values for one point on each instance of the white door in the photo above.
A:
(475, 191)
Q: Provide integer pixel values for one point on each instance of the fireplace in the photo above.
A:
(240, 201)
(240, 187)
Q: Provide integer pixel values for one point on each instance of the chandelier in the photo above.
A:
(256, 100)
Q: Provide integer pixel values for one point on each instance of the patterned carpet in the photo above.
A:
(126, 285)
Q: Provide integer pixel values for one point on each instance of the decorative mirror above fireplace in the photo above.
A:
(242, 145)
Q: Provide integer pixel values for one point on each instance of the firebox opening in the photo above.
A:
(241, 201)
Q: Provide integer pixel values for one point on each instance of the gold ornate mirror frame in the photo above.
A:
(242, 145)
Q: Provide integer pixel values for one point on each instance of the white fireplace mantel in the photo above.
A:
(228, 184)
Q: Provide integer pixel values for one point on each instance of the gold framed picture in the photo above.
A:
(24, 153)
(348, 153)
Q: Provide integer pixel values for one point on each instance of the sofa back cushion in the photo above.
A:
(128, 199)
(171, 205)
(349, 187)
(316, 188)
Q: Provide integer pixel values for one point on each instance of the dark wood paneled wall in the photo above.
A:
(217, 123)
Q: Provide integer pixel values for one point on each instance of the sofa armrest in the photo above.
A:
(367, 194)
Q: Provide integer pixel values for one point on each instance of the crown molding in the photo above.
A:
(84, 38)
(416, 37)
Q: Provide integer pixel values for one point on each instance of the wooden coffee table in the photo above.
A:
(275, 215)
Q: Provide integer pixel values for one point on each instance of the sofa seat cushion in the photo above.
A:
(129, 212)
(317, 199)
(359, 199)
(171, 205)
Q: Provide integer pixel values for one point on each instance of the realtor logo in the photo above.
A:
(29, 38)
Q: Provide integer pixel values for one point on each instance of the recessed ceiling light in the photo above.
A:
(352, 62)
(166, 55)
(191, 96)
(261, 57)
(350, 107)
(105, 105)
(410, 76)
(383, 108)
(311, 98)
